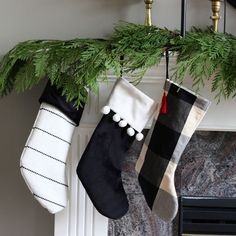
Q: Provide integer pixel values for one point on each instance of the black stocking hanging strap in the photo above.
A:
(163, 108)
(167, 64)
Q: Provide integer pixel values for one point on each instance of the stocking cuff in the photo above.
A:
(51, 95)
(131, 106)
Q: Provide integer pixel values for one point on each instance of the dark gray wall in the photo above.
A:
(20, 214)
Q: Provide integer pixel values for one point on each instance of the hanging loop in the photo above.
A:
(167, 63)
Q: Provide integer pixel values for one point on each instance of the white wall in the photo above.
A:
(60, 19)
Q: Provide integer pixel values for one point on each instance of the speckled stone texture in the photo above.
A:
(208, 165)
(207, 168)
(139, 221)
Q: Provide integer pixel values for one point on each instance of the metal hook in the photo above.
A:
(225, 11)
(183, 17)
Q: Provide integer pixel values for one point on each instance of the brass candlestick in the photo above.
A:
(148, 17)
(215, 7)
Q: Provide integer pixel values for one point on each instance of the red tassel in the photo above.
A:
(163, 109)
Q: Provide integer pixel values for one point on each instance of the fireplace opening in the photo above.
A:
(215, 216)
(206, 181)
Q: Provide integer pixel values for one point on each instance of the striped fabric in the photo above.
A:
(164, 145)
(43, 161)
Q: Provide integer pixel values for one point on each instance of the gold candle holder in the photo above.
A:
(215, 7)
(148, 17)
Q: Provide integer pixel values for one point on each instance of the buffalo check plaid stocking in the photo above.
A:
(164, 145)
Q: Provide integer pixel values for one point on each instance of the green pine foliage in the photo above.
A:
(75, 65)
(141, 47)
(208, 56)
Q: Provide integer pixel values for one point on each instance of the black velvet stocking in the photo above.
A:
(100, 167)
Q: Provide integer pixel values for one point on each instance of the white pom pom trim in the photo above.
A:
(123, 123)
(130, 131)
(116, 117)
(139, 136)
(106, 110)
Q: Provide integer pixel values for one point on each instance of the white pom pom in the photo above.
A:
(106, 110)
(139, 136)
(123, 123)
(116, 117)
(130, 131)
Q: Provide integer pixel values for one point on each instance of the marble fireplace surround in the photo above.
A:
(80, 218)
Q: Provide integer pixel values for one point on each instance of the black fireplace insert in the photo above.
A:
(207, 215)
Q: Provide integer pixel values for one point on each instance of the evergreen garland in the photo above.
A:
(142, 47)
(75, 65)
(208, 56)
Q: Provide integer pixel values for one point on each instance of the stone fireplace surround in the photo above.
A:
(207, 167)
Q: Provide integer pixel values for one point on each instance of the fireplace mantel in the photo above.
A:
(221, 116)
(80, 217)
